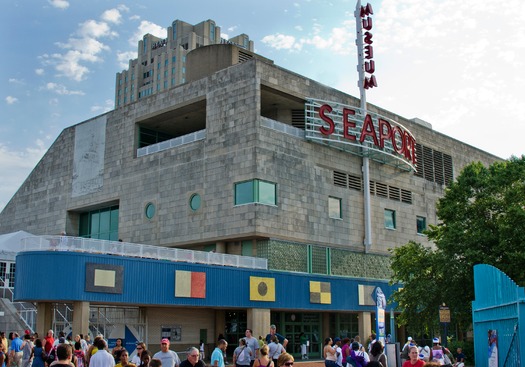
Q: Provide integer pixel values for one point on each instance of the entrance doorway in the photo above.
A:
(292, 324)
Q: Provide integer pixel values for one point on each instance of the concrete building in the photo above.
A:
(243, 159)
(161, 62)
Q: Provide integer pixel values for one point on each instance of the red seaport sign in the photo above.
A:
(360, 132)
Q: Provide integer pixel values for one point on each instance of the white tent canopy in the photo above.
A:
(10, 242)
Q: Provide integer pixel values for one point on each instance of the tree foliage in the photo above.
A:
(482, 220)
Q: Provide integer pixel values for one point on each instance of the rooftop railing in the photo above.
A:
(106, 247)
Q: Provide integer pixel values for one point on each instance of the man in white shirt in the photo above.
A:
(253, 344)
(168, 357)
(102, 358)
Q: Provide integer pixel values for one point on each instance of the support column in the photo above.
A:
(365, 326)
(220, 247)
(258, 319)
(44, 317)
(326, 328)
(80, 318)
(220, 323)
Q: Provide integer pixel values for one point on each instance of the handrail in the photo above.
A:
(95, 246)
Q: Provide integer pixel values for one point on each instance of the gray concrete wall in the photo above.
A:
(237, 147)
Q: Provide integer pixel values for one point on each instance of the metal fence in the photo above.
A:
(497, 314)
(95, 246)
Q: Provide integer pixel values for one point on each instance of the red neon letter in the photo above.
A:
(369, 52)
(367, 23)
(384, 135)
(368, 130)
(400, 132)
(370, 82)
(368, 38)
(326, 119)
(348, 124)
(410, 151)
(370, 66)
(366, 10)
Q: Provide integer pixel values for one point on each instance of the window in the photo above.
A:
(334, 208)
(150, 210)
(174, 59)
(195, 202)
(12, 268)
(256, 191)
(421, 224)
(390, 219)
(150, 136)
(101, 224)
(166, 62)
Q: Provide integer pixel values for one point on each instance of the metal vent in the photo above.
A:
(428, 163)
(394, 193)
(354, 182)
(406, 196)
(340, 179)
(298, 119)
(448, 169)
(243, 56)
(419, 156)
(381, 190)
(438, 167)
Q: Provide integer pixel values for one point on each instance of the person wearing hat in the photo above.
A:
(406, 349)
(437, 353)
(358, 356)
(338, 352)
(168, 357)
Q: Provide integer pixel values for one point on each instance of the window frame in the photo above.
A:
(392, 219)
(340, 210)
(255, 197)
(418, 217)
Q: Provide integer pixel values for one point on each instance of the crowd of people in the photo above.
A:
(32, 351)
(413, 355)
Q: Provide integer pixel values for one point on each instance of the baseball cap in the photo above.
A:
(409, 339)
(165, 341)
(435, 340)
(337, 340)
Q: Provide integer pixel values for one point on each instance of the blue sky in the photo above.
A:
(458, 65)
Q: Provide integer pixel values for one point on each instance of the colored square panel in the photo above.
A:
(104, 278)
(262, 289)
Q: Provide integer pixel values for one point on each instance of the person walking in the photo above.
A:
(168, 357)
(217, 357)
(193, 359)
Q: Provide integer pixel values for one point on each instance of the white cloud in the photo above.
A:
(11, 100)
(280, 41)
(39, 71)
(60, 4)
(84, 46)
(62, 90)
(16, 81)
(124, 57)
(19, 164)
(147, 27)
(112, 16)
(340, 40)
(108, 106)
(134, 17)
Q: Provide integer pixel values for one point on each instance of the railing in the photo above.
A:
(95, 246)
(172, 143)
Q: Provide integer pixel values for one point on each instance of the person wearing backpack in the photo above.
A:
(242, 354)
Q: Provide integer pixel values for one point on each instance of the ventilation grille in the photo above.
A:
(298, 119)
(340, 179)
(433, 165)
(243, 56)
(343, 179)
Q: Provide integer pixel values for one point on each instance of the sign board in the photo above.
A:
(361, 132)
(444, 314)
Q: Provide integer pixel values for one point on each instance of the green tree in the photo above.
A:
(482, 220)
